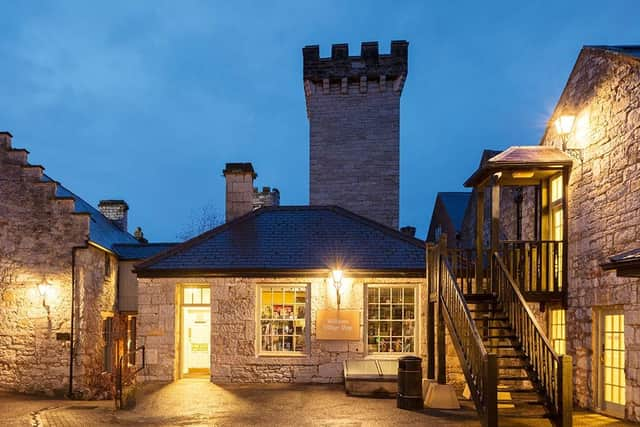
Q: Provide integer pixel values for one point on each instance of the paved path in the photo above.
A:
(198, 402)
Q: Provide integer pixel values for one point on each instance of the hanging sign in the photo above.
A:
(338, 325)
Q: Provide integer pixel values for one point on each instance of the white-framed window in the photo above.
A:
(391, 318)
(557, 330)
(196, 295)
(283, 319)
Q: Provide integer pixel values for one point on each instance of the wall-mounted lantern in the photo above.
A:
(336, 279)
(564, 126)
(44, 289)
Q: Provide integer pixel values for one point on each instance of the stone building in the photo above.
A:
(61, 327)
(564, 217)
(254, 300)
(353, 105)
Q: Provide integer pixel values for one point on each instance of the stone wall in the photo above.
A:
(234, 323)
(37, 235)
(604, 198)
(353, 105)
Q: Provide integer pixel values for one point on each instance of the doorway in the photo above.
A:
(611, 361)
(196, 332)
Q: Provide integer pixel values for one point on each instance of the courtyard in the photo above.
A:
(192, 402)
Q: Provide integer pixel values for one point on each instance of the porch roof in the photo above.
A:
(626, 264)
(534, 157)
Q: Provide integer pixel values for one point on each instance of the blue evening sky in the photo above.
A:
(147, 100)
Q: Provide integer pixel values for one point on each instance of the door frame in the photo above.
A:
(181, 337)
(611, 409)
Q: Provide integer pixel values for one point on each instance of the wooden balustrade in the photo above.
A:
(538, 266)
(553, 372)
(480, 368)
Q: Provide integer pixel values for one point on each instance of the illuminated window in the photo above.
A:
(197, 295)
(391, 319)
(557, 331)
(283, 319)
(556, 189)
(613, 359)
(107, 350)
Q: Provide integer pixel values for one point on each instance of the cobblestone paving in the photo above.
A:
(200, 403)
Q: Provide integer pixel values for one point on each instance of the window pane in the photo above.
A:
(391, 319)
(283, 319)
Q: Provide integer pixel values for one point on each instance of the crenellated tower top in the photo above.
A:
(370, 64)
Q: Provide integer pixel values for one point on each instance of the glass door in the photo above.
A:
(612, 359)
(196, 331)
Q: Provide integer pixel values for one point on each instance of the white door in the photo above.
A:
(196, 339)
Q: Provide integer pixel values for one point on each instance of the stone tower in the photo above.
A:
(353, 105)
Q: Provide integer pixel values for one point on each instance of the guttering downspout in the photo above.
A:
(73, 310)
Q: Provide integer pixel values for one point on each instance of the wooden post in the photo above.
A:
(479, 238)
(565, 391)
(431, 326)
(495, 222)
(440, 339)
(491, 391)
(565, 235)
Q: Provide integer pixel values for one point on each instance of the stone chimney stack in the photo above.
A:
(239, 195)
(116, 211)
(353, 106)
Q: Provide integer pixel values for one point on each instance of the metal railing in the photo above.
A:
(480, 368)
(553, 373)
(538, 266)
(126, 372)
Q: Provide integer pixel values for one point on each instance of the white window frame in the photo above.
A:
(307, 320)
(416, 317)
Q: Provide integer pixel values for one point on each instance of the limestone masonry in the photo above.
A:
(353, 105)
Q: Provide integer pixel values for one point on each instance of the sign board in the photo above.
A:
(338, 325)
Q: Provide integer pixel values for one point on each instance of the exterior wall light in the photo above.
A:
(564, 126)
(44, 289)
(336, 278)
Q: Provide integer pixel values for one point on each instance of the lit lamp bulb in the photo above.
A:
(43, 288)
(564, 124)
(336, 278)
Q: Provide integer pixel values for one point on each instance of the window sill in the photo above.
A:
(387, 356)
(282, 354)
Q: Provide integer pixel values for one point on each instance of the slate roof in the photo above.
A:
(292, 238)
(101, 230)
(128, 251)
(626, 264)
(456, 204)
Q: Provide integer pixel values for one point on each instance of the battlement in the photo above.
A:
(370, 64)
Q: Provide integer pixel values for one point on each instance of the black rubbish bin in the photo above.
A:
(410, 383)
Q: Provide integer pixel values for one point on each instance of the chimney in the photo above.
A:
(116, 211)
(239, 194)
(408, 230)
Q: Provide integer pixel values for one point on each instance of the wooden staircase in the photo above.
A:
(517, 392)
(509, 365)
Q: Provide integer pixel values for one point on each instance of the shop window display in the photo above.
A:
(283, 319)
(391, 312)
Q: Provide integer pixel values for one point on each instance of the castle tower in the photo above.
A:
(353, 106)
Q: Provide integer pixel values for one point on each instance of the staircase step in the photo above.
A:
(511, 356)
(502, 337)
(471, 298)
(510, 346)
(513, 378)
(484, 310)
(492, 318)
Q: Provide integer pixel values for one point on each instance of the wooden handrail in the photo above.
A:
(480, 368)
(553, 372)
(538, 266)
